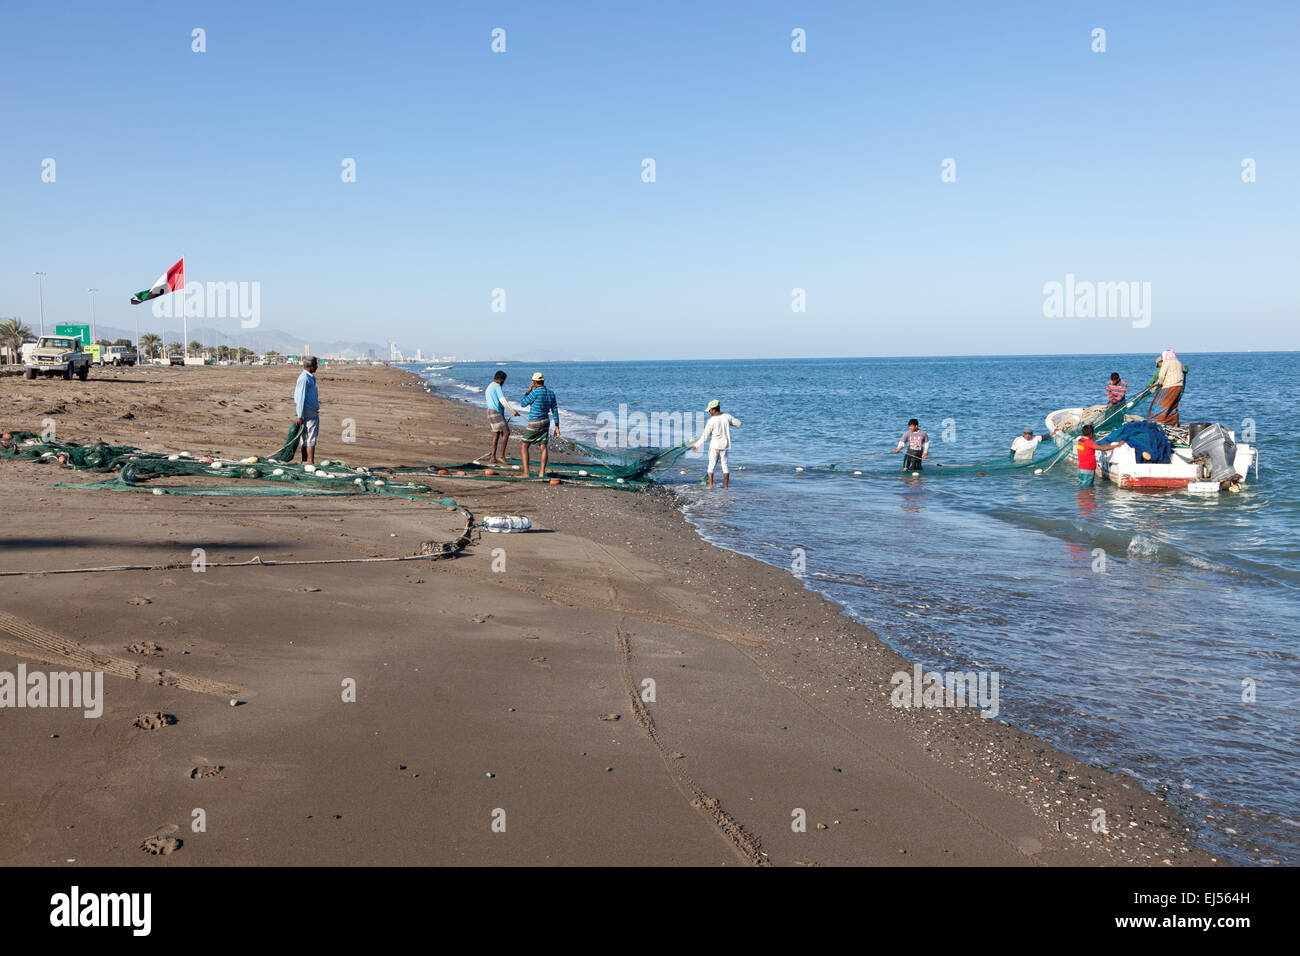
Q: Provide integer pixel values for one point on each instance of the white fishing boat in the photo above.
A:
(437, 368)
(1204, 457)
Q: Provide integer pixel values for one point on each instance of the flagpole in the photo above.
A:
(185, 320)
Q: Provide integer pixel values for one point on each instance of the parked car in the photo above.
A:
(118, 355)
(60, 355)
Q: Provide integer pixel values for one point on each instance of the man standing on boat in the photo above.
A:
(1116, 389)
(1170, 375)
(918, 446)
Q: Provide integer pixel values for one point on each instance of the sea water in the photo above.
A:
(1153, 634)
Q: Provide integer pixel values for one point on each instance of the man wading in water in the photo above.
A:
(918, 446)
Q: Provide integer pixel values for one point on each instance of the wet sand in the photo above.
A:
(499, 714)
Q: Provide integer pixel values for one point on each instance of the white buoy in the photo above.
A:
(620, 481)
(857, 472)
(582, 474)
(356, 481)
(798, 469)
(308, 467)
(1038, 471)
(278, 472)
(157, 491)
(916, 474)
(173, 457)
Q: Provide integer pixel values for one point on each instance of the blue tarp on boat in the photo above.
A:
(1147, 439)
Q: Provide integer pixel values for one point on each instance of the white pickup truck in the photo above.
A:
(57, 354)
(118, 355)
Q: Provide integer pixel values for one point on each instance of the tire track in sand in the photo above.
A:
(25, 639)
(746, 845)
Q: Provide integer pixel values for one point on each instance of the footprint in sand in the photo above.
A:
(167, 679)
(153, 720)
(609, 717)
(202, 773)
(479, 618)
(146, 648)
(161, 845)
(139, 601)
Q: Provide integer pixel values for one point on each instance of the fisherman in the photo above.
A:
(497, 407)
(1170, 375)
(1087, 450)
(918, 446)
(542, 405)
(1023, 448)
(1116, 390)
(718, 432)
(307, 404)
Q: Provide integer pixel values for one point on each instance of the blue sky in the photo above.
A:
(775, 170)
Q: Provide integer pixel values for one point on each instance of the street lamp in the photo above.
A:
(40, 285)
(92, 292)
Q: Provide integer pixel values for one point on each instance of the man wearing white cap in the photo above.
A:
(718, 432)
(542, 407)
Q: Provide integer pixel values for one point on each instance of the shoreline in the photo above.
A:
(769, 699)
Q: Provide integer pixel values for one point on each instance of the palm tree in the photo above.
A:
(13, 333)
(149, 343)
(196, 347)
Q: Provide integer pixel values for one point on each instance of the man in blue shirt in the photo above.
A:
(497, 408)
(542, 407)
(307, 404)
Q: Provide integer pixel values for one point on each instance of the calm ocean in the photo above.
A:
(1140, 667)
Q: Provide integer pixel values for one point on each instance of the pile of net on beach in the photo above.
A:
(574, 462)
(134, 469)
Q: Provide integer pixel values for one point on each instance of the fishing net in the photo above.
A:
(136, 469)
(574, 462)
(1102, 418)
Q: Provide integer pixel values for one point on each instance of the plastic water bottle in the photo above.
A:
(507, 523)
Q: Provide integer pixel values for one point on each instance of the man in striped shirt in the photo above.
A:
(542, 407)
(1116, 390)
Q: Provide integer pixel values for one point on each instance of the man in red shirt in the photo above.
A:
(1087, 450)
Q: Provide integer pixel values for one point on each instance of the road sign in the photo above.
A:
(81, 331)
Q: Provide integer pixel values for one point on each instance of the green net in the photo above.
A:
(1102, 418)
(574, 462)
(137, 470)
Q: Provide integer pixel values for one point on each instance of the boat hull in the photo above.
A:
(1121, 466)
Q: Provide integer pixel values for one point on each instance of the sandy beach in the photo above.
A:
(501, 712)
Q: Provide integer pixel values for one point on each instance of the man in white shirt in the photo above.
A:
(718, 432)
(1023, 448)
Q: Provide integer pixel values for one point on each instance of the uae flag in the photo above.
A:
(173, 280)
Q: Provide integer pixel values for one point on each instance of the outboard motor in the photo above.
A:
(1216, 445)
